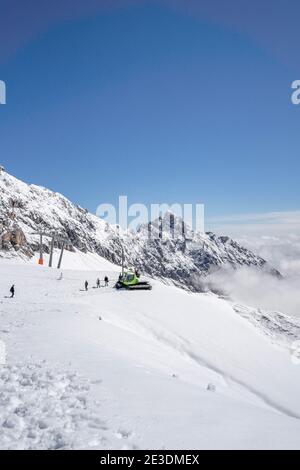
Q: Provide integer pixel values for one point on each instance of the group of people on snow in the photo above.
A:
(98, 283)
(86, 285)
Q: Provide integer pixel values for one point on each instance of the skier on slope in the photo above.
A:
(98, 283)
(12, 291)
(106, 281)
(86, 285)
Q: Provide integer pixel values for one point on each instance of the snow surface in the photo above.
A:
(162, 369)
(78, 260)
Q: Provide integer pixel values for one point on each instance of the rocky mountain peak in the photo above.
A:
(173, 251)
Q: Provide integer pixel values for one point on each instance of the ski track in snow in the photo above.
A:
(279, 328)
(183, 347)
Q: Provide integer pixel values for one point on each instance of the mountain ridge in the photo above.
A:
(185, 259)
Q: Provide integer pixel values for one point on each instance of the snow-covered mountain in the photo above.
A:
(160, 369)
(26, 209)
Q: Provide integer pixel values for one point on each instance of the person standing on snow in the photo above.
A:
(86, 285)
(106, 281)
(98, 283)
(12, 291)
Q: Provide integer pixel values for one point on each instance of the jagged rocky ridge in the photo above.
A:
(182, 258)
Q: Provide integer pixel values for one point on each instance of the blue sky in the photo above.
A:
(162, 101)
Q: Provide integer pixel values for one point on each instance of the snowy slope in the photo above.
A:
(127, 370)
(26, 209)
(79, 260)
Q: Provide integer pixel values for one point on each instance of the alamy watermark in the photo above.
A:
(296, 93)
(2, 92)
(176, 220)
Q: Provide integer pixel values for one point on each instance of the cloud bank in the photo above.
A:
(275, 237)
(260, 290)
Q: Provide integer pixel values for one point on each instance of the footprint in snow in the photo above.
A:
(130, 447)
(123, 434)
(97, 382)
(46, 409)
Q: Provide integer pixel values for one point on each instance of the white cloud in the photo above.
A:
(261, 224)
(275, 236)
(260, 290)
